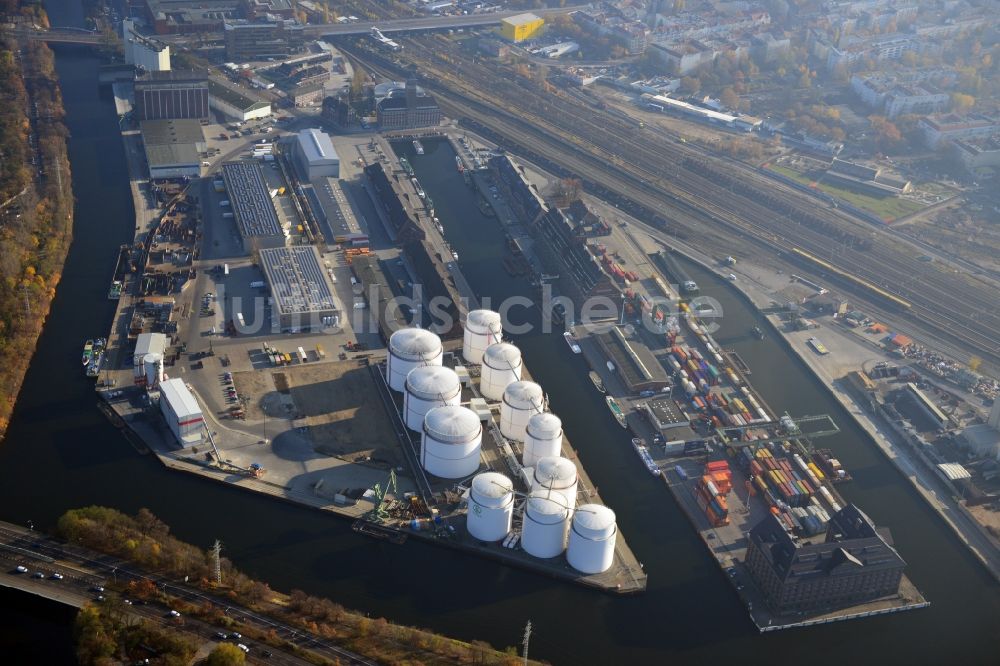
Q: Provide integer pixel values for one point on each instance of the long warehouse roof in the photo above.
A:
(179, 397)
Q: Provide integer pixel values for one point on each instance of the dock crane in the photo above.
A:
(380, 513)
(799, 428)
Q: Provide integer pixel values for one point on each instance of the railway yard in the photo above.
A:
(728, 207)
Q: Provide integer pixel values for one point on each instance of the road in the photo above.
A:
(83, 569)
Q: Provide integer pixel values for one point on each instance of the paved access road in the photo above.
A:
(83, 570)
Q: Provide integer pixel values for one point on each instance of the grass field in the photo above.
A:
(888, 208)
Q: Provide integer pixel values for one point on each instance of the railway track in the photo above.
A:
(649, 174)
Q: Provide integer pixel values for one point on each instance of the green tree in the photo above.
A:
(226, 654)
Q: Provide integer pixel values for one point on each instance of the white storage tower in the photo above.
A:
(451, 441)
(491, 506)
(592, 539)
(521, 401)
(557, 476)
(428, 387)
(501, 368)
(153, 368)
(482, 329)
(543, 531)
(411, 348)
(542, 438)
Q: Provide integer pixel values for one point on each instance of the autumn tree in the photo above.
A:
(690, 85)
(226, 654)
(962, 102)
(730, 99)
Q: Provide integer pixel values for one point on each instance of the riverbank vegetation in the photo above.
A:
(106, 634)
(36, 204)
(146, 541)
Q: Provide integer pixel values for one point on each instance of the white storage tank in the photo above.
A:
(556, 475)
(501, 368)
(542, 438)
(152, 365)
(451, 440)
(521, 401)
(427, 387)
(491, 506)
(411, 348)
(482, 329)
(592, 539)
(546, 519)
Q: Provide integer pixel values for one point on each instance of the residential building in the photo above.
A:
(608, 21)
(855, 563)
(942, 128)
(306, 94)
(172, 95)
(894, 99)
(268, 38)
(683, 58)
(767, 48)
(977, 154)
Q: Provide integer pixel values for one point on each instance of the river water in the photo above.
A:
(61, 453)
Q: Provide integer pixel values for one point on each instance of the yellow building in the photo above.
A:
(521, 27)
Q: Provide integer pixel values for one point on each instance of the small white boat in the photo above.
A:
(571, 341)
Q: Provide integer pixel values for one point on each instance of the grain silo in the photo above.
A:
(152, 365)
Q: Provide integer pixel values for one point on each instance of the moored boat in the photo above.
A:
(419, 147)
(616, 411)
(458, 163)
(571, 341)
(88, 352)
(598, 382)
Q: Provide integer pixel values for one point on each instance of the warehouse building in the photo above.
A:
(521, 27)
(143, 52)
(173, 95)
(412, 108)
(634, 363)
(236, 104)
(303, 296)
(182, 413)
(856, 563)
(315, 156)
(185, 17)
(252, 206)
(173, 148)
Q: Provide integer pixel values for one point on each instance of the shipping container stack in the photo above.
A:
(710, 496)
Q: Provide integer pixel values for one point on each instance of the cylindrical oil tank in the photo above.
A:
(491, 506)
(592, 539)
(411, 348)
(556, 475)
(427, 387)
(482, 329)
(521, 401)
(546, 519)
(501, 368)
(152, 365)
(451, 440)
(542, 438)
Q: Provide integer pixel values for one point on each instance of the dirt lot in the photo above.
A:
(338, 402)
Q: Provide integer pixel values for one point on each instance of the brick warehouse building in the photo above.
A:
(854, 564)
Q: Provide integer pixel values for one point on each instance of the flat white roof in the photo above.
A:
(180, 399)
(150, 343)
(521, 19)
(954, 471)
(317, 147)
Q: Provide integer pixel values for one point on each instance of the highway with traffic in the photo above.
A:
(75, 576)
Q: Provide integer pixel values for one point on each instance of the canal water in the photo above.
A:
(61, 453)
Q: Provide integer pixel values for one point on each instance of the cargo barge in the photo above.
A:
(597, 381)
(616, 411)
